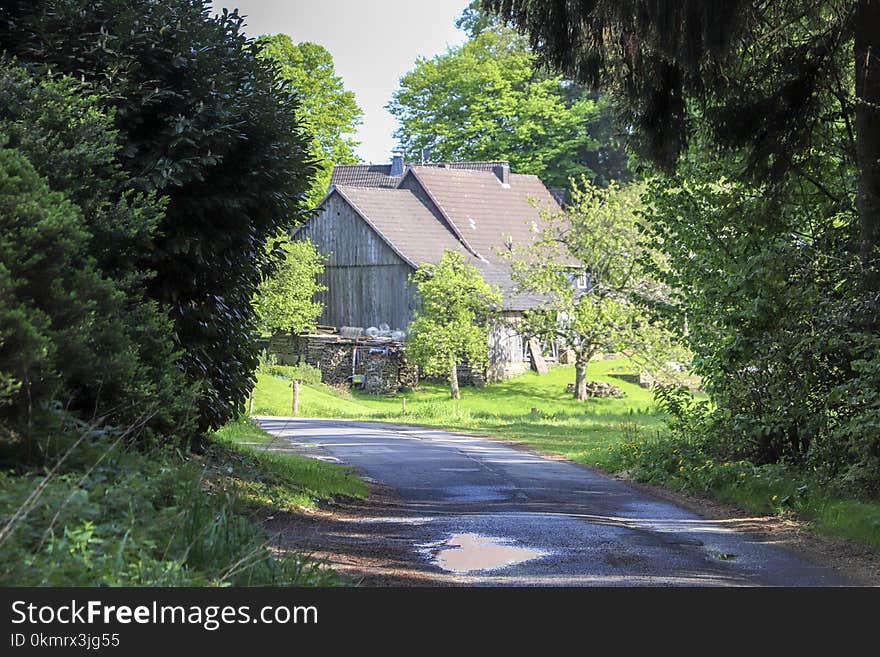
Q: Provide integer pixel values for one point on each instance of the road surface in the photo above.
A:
(478, 511)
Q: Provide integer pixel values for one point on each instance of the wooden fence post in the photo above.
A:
(295, 405)
(251, 402)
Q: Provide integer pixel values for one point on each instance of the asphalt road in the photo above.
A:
(478, 511)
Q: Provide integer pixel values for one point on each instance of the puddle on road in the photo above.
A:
(465, 553)
(392, 520)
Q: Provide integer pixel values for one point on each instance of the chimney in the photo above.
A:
(397, 164)
(502, 172)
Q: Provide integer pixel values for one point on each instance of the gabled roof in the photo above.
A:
(379, 175)
(461, 206)
(404, 222)
(483, 210)
(364, 175)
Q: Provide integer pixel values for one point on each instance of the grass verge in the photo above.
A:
(107, 515)
(247, 456)
(528, 408)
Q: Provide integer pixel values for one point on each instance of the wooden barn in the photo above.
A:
(378, 223)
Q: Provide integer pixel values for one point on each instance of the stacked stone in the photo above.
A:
(598, 389)
(383, 364)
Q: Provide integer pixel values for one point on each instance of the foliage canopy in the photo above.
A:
(451, 324)
(588, 265)
(197, 117)
(285, 302)
(484, 100)
(324, 107)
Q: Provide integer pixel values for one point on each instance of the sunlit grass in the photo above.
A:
(530, 408)
(280, 480)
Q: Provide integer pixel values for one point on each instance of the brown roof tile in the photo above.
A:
(462, 197)
(485, 212)
(379, 175)
(364, 175)
(405, 222)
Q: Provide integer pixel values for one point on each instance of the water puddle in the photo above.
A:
(465, 553)
(421, 520)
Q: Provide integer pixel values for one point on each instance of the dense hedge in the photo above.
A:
(204, 123)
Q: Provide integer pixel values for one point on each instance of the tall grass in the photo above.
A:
(99, 513)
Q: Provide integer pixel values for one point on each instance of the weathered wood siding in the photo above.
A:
(506, 347)
(368, 283)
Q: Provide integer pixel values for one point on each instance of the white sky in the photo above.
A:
(373, 43)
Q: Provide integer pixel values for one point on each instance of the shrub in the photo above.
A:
(76, 325)
(205, 123)
(62, 329)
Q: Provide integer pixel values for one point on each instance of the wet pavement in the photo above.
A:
(477, 511)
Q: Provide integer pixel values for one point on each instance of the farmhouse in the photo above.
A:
(378, 223)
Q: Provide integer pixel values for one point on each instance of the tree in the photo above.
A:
(78, 329)
(324, 107)
(772, 290)
(66, 332)
(285, 301)
(588, 265)
(474, 20)
(485, 101)
(739, 71)
(451, 323)
(199, 123)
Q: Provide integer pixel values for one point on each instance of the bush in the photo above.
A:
(75, 325)
(304, 373)
(784, 335)
(62, 329)
(205, 123)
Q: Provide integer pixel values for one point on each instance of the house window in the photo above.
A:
(582, 281)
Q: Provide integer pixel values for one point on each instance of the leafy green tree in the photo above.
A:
(198, 118)
(769, 113)
(588, 265)
(484, 100)
(66, 333)
(766, 77)
(285, 302)
(772, 291)
(451, 323)
(102, 347)
(324, 107)
(474, 20)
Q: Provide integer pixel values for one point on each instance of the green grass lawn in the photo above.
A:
(274, 480)
(559, 424)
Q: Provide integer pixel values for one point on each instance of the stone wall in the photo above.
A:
(381, 362)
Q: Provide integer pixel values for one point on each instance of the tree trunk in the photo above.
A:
(453, 381)
(580, 377)
(867, 54)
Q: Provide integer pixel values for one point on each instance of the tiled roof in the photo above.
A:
(364, 175)
(379, 175)
(462, 206)
(485, 212)
(405, 222)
